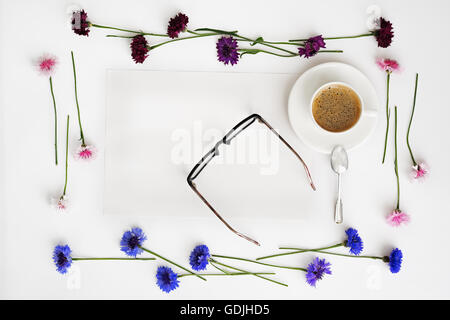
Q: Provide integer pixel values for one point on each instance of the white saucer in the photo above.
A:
(300, 114)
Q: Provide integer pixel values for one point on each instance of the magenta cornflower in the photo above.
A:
(47, 64)
(139, 49)
(86, 153)
(397, 218)
(388, 65)
(177, 24)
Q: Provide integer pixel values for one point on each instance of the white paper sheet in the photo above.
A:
(159, 124)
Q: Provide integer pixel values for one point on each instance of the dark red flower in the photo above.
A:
(177, 24)
(139, 49)
(384, 34)
(80, 25)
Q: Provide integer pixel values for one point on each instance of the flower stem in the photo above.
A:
(56, 122)
(330, 51)
(336, 38)
(341, 254)
(229, 274)
(388, 114)
(262, 263)
(180, 39)
(254, 51)
(76, 99)
(396, 161)
(410, 121)
(131, 31)
(299, 251)
(256, 275)
(218, 268)
(67, 155)
(175, 264)
(111, 259)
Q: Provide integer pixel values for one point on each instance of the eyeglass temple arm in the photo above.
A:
(193, 187)
(290, 148)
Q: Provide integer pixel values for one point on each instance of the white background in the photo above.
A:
(29, 228)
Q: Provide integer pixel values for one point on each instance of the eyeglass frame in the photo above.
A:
(215, 152)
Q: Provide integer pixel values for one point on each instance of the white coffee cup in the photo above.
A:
(364, 110)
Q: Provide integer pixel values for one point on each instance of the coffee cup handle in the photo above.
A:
(370, 112)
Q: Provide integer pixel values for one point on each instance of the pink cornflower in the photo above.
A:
(397, 218)
(60, 204)
(388, 65)
(86, 153)
(419, 172)
(46, 64)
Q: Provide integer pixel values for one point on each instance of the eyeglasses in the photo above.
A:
(237, 129)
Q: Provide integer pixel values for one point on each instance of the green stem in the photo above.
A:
(229, 274)
(299, 251)
(330, 51)
(340, 254)
(253, 51)
(111, 259)
(175, 264)
(396, 161)
(336, 38)
(220, 269)
(388, 113)
(126, 30)
(410, 121)
(180, 39)
(56, 122)
(262, 263)
(76, 99)
(67, 155)
(256, 275)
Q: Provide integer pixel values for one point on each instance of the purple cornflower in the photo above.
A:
(354, 241)
(177, 24)
(199, 257)
(62, 258)
(131, 242)
(384, 33)
(312, 46)
(80, 25)
(166, 279)
(227, 50)
(316, 270)
(394, 260)
(139, 49)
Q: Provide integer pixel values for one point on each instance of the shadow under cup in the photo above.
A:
(336, 107)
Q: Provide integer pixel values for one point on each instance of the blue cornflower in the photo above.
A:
(166, 279)
(316, 271)
(395, 260)
(354, 241)
(62, 258)
(199, 257)
(131, 242)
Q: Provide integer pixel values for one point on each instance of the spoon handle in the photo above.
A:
(338, 212)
